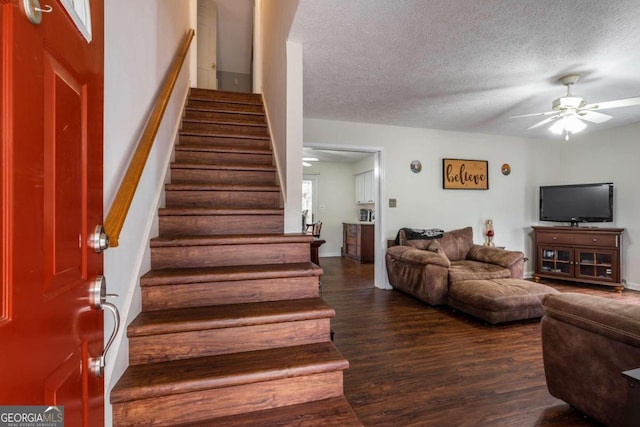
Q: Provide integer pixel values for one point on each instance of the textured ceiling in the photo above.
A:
(465, 65)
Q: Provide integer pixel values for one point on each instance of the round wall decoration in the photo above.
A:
(506, 169)
(416, 166)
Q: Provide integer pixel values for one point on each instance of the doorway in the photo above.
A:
(225, 45)
(336, 171)
(207, 44)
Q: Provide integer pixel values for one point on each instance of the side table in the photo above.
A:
(315, 245)
(633, 396)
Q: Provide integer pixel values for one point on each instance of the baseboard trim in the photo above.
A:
(329, 254)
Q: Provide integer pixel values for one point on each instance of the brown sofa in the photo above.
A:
(587, 342)
(425, 268)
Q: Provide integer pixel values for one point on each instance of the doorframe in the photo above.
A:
(380, 278)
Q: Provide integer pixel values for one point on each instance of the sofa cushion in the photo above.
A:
(475, 270)
(456, 243)
(612, 319)
(499, 300)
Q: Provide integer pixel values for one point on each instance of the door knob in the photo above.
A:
(99, 240)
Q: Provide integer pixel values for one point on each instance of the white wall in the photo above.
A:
(294, 123)
(335, 202)
(611, 156)
(364, 165)
(141, 39)
(422, 203)
(274, 25)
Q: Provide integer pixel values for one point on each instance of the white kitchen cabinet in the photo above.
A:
(365, 187)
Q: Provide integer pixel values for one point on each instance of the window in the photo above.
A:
(80, 14)
(309, 199)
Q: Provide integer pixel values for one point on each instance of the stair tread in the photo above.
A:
(224, 166)
(227, 316)
(196, 211)
(224, 121)
(229, 239)
(333, 412)
(196, 186)
(189, 375)
(220, 274)
(226, 96)
(222, 149)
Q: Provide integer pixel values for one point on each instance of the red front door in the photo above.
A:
(51, 82)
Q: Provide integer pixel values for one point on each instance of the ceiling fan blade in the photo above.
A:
(626, 102)
(544, 122)
(594, 117)
(533, 114)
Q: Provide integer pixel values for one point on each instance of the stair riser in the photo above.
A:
(204, 404)
(215, 176)
(210, 225)
(237, 158)
(164, 347)
(226, 129)
(230, 292)
(212, 116)
(203, 105)
(227, 199)
(221, 141)
(229, 255)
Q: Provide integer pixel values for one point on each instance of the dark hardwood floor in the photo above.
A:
(414, 365)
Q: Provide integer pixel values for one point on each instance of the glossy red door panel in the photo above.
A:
(51, 198)
(64, 148)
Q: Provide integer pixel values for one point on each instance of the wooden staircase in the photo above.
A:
(233, 330)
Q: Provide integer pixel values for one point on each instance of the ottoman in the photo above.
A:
(499, 300)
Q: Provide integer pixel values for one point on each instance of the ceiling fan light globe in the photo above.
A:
(573, 124)
(557, 127)
(568, 124)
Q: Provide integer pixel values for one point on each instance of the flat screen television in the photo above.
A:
(577, 203)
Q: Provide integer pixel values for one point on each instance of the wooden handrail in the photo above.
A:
(120, 207)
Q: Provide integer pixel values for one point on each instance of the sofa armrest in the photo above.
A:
(609, 318)
(512, 260)
(412, 255)
(423, 274)
(495, 256)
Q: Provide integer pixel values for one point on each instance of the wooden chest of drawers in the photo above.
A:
(357, 241)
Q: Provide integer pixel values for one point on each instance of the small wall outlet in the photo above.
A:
(392, 203)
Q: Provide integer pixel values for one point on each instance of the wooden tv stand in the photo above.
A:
(579, 254)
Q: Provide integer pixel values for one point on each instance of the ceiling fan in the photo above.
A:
(570, 111)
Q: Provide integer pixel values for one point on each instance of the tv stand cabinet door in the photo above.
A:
(596, 264)
(555, 261)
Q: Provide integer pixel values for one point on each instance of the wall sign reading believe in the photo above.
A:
(465, 174)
